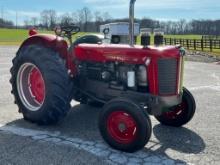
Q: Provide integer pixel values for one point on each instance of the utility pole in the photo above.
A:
(16, 21)
(2, 13)
(2, 17)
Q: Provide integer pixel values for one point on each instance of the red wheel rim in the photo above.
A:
(31, 86)
(122, 127)
(176, 111)
(37, 85)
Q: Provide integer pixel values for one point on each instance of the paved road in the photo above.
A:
(76, 140)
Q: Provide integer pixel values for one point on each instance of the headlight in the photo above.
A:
(148, 60)
(182, 51)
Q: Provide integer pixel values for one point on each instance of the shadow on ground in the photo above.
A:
(178, 139)
(82, 122)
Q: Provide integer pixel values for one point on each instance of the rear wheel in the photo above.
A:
(181, 114)
(124, 125)
(40, 84)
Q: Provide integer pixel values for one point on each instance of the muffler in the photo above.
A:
(131, 22)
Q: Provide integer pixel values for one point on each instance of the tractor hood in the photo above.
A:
(123, 53)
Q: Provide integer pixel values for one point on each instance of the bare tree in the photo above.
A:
(52, 18)
(86, 16)
(66, 19)
(49, 18)
(76, 18)
(181, 26)
(34, 21)
(26, 23)
(45, 19)
(106, 16)
(98, 20)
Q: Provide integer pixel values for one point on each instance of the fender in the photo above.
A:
(55, 43)
(50, 41)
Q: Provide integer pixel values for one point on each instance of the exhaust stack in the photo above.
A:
(131, 22)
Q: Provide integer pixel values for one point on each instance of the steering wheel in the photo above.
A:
(70, 29)
(66, 31)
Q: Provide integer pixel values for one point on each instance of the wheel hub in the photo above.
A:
(37, 86)
(176, 111)
(122, 127)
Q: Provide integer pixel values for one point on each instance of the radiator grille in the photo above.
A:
(167, 76)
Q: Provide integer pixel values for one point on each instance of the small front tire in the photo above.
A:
(181, 114)
(124, 125)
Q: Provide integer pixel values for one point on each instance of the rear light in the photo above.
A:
(32, 32)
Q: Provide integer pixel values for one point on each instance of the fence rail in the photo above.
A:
(196, 44)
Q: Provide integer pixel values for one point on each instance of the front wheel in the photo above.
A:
(124, 125)
(181, 114)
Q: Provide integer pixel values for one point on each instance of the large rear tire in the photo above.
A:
(124, 125)
(181, 114)
(41, 85)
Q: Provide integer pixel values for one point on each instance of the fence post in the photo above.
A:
(165, 41)
(194, 41)
(187, 43)
(202, 46)
(219, 44)
(210, 45)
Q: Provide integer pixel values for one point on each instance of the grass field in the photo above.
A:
(17, 36)
(12, 36)
(190, 36)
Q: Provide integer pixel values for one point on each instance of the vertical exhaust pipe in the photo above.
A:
(131, 22)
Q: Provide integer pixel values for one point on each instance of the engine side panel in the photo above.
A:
(129, 55)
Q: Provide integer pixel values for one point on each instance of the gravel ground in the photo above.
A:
(76, 140)
(198, 56)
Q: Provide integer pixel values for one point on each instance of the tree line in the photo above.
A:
(90, 22)
(6, 23)
(87, 20)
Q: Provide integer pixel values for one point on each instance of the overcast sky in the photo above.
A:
(156, 9)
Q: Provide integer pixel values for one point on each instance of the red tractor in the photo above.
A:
(132, 82)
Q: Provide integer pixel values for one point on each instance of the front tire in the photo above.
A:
(124, 125)
(181, 114)
(41, 85)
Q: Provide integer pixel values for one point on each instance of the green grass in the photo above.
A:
(17, 36)
(190, 36)
(14, 36)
